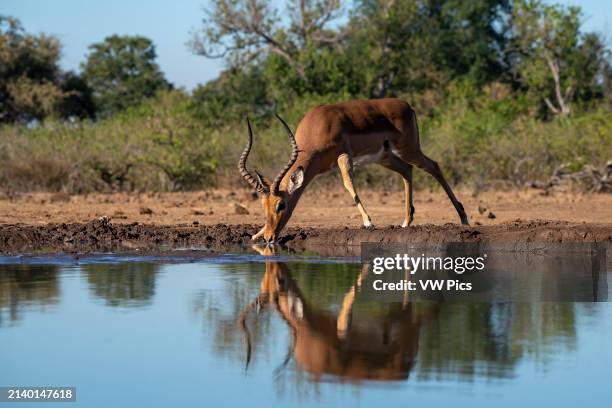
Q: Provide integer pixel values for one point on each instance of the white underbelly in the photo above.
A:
(376, 151)
(366, 159)
(374, 157)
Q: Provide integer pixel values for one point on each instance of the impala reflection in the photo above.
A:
(334, 344)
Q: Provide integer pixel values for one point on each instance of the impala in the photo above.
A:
(346, 134)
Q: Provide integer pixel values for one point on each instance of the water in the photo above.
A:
(140, 332)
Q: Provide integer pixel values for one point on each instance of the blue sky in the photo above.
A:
(79, 23)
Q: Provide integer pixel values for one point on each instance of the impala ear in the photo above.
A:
(296, 180)
(260, 179)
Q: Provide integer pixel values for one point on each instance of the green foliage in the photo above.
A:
(490, 139)
(493, 83)
(78, 98)
(413, 44)
(557, 63)
(158, 146)
(32, 85)
(480, 138)
(129, 285)
(231, 97)
(177, 143)
(122, 72)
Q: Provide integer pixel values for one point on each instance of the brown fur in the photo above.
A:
(382, 349)
(339, 134)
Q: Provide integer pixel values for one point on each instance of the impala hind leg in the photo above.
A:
(432, 168)
(346, 169)
(392, 162)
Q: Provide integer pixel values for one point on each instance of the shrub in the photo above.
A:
(480, 139)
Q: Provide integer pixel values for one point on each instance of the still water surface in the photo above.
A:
(238, 331)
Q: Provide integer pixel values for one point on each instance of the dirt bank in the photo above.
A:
(103, 236)
(326, 222)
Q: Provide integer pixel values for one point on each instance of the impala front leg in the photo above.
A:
(346, 169)
(259, 234)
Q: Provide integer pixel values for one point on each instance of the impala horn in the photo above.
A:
(257, 183)
(294, 156)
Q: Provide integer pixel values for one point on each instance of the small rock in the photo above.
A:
(197, 212)
(481, 209)
(145, 211)
(240, 209)
(491, 215)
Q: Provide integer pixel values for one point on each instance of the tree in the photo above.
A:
(473, 38)
(555, 59)
(235, 94)
(122, 72)
(242, 30)
(78, 98)
(593, 68)
(387, 39)
(32, 85)
(419, 44)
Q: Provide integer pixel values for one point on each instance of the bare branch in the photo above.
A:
(553, 108)
(562, 100)
(239, 29)
(309, 17)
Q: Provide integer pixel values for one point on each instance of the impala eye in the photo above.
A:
(280, 207)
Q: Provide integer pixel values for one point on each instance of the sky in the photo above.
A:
(80, 23)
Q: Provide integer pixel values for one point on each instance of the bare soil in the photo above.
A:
(327, 222)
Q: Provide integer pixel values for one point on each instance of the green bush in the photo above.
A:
(491, 141)
(158, 146)
(481, 139)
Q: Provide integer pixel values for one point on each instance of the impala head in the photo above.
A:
(276, 201)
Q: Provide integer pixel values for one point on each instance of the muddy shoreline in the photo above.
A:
(102, 235)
